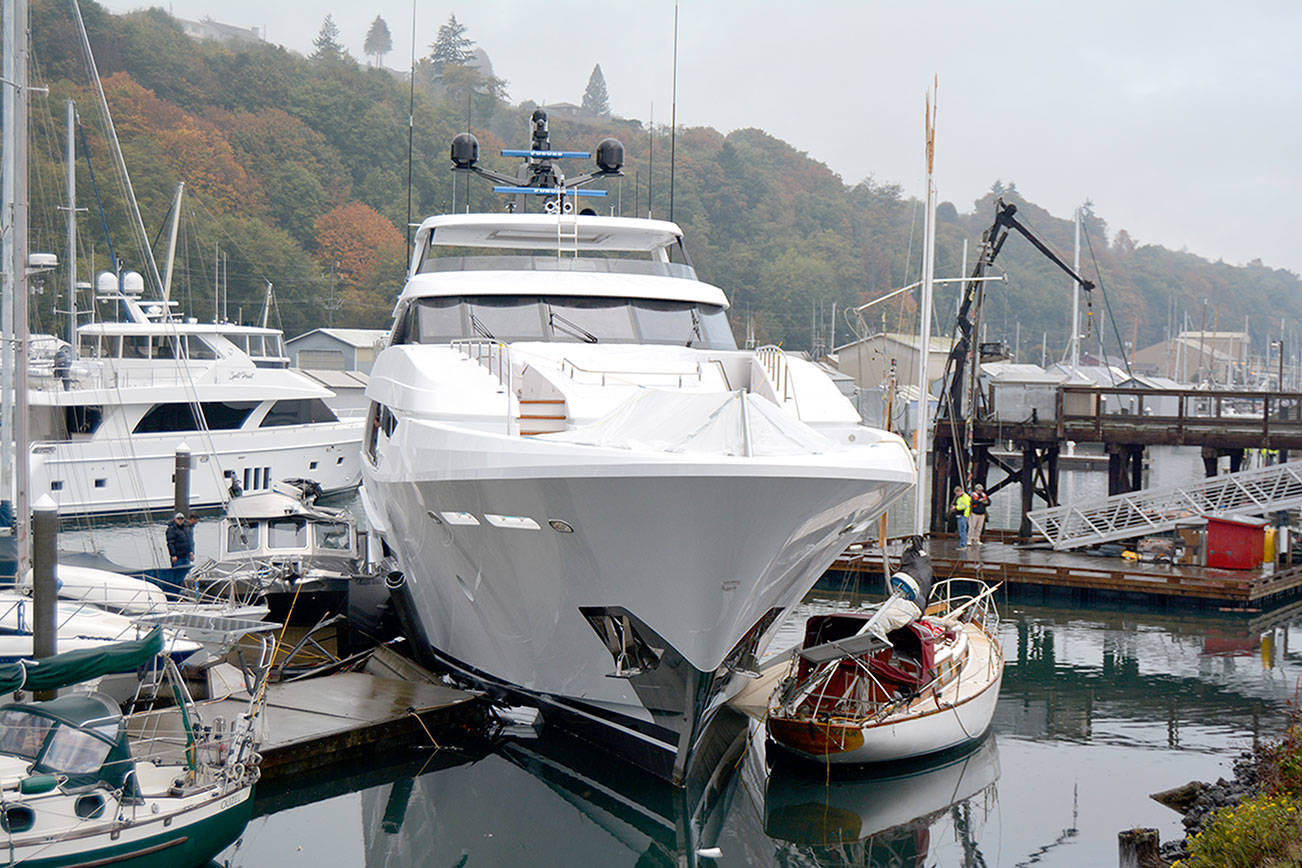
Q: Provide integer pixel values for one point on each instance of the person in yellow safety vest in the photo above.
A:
(961, 509)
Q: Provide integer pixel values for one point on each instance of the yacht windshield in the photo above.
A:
(565, 318)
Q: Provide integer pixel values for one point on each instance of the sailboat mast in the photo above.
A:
(70, 158)
(1075, 300)
(922, 495)
(171, 242)
(16, 170)
(7, 93)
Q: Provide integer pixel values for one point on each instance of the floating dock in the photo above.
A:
(1037, 570)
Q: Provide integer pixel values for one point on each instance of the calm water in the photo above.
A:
(1098, 709)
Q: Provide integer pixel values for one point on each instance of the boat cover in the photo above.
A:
(713, 423)
(74, 667)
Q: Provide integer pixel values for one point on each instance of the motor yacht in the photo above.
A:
(106, 424)
(597, 503)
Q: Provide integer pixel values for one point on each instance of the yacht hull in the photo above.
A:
(628, 605)
(115, 476)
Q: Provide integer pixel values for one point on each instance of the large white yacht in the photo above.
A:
(106, 425)
(598, 503)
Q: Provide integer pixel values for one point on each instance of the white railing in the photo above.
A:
(1251, 492)
(495, 356)
(774, 362)
(628, 377)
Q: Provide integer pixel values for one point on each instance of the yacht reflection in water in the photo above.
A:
(550, 800)
(894, 816)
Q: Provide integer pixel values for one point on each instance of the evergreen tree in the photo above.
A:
(451, 46)
(327, 41)
(595, 99)
(379, 41)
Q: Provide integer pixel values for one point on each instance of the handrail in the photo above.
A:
(496, 357)
(774, 361)
(570, 368)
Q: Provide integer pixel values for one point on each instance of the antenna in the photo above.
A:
(673, 116)
(411, 118)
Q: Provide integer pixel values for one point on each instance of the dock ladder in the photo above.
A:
(1262, 491)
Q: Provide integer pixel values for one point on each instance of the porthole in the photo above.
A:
(560, 526)
(518, 522)
(89, 806)
(19, 818)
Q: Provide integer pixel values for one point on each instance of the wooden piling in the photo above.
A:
(1140, 848)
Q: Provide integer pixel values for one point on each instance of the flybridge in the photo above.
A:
(538, 175)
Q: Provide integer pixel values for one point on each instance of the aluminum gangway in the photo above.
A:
(1122, 516)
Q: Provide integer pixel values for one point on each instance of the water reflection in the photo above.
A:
(903, 815)
(1098, 709)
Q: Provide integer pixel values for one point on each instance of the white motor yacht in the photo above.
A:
(599, 504)
(106, 425)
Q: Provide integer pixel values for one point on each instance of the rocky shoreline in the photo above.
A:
(1197, 801)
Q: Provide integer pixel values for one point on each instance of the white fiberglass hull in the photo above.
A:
(695, 558)
(107, 476)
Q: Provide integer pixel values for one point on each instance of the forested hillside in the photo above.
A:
(296, 170)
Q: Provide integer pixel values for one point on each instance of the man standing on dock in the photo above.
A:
(980, 505)
(180, 541)
(961, 509)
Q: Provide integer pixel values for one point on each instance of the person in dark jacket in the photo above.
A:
(180, 541)
(980, 506)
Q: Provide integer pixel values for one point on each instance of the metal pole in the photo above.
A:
(45, 589)
(70, 156)
(22, 466)
(181, 476)
(11, 275)
(1075, 301)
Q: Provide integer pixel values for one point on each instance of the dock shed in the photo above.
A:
(331, 349)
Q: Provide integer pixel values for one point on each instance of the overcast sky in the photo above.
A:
(1180, 121)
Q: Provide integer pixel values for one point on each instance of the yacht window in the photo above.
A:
(506, 318)
(46, 423)
(110, 346)
(135, 346)
(331, 536)
(286, 533)
(226, 415)
(715, 328)
(83, 419)
(664, 322)
(163, 418)
(242, 537)
(88, 346)
(590, 319)
(22, 733)
(77, 752)
(198, 348)
(271, 343)
(437, 321)
(240, 341)
(255, 345)
(303, 411)
(372, 430)
(163, 347)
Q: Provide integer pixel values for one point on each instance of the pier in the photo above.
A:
(1032, 572)
(1125, 421)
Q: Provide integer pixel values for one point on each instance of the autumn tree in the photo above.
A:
(327, 41)
(360, 248)
(595, 99)
(379, 41)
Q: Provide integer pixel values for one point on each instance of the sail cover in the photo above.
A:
(728, 423)
(74, 667)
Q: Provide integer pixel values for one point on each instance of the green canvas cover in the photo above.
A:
(84, 743)
(74, 667)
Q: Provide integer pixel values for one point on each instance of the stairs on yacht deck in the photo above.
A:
(542, 416)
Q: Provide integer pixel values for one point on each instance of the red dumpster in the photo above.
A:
(1235, 543)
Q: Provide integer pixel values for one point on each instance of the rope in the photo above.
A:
(1106, 302)
(416, 714)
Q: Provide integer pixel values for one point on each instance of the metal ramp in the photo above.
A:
(1123, 516)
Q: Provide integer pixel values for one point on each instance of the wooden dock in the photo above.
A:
(1040, 570)
(342, 719)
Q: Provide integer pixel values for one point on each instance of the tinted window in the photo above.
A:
(664, 322)
(506, 318)
(198, 348)
(286, 533)
(224, 415)
(167, 417)
(715, 328)
(331, 536)
(298, 412)
(83, 419)
(586, 319)
(437, 321)
(135, 346)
